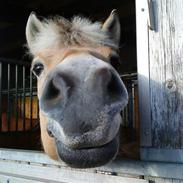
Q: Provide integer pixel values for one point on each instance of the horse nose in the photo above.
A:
(111, 84)
(55, 92)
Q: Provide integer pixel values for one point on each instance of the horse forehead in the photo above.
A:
(81, 63)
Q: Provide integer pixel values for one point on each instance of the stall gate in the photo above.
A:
(19, 120)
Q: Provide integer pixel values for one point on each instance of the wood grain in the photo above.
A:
(163, 180)
(119, 166)
(56, 175)
(12, 179)
(166, 75)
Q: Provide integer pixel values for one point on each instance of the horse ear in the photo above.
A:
(32, 28)
(112, 26)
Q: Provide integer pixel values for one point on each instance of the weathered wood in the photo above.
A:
(143, 71)
(55, 174)
(163, 155)
(166, 75)
(163, 180)
(27, 156)
(120, 166)
(11, 179)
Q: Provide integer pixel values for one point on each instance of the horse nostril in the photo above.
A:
(58, 86)
(51, 91)
(116, 88)
(111, 82)
(51, 97)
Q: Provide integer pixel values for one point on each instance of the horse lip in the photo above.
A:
(88, 157)
(88, 140)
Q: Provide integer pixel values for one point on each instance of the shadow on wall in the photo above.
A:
(162, 103)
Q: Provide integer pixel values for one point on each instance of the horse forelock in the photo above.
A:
(59, 32)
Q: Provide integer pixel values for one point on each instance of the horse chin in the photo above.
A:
(88, 157)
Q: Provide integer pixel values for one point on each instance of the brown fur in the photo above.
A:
(47, 141)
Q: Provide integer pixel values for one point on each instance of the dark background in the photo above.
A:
(14, 14)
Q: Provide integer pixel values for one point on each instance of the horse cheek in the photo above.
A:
(48, 142)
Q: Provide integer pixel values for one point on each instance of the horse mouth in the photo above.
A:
(88, 157)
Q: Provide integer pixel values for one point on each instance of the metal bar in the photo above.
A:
(133, 104)
(16, 96)
(0, 97)
(8, 98)
(130, 105)
(23, 79)
(31, 98)
(38, 110)
(20, 90)
(123, 120)
(126, 116)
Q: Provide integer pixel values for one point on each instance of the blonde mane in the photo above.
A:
(58, 31)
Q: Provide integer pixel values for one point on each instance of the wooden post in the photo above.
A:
(143, 71)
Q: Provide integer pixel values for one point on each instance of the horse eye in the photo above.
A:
(37, 69)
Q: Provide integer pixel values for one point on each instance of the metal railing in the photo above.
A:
(17, 96)
(130, 114)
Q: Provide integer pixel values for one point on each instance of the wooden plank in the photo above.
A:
(166, 78)
(27, 156)
(11, 179)
(163, 155)
(175, 181)
(163, 180)
(54, 174)
(143, 71)
(120, 166)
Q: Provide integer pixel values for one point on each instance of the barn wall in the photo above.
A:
(160, 68)
(166, 74)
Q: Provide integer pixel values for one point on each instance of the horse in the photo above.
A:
(80, 92)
